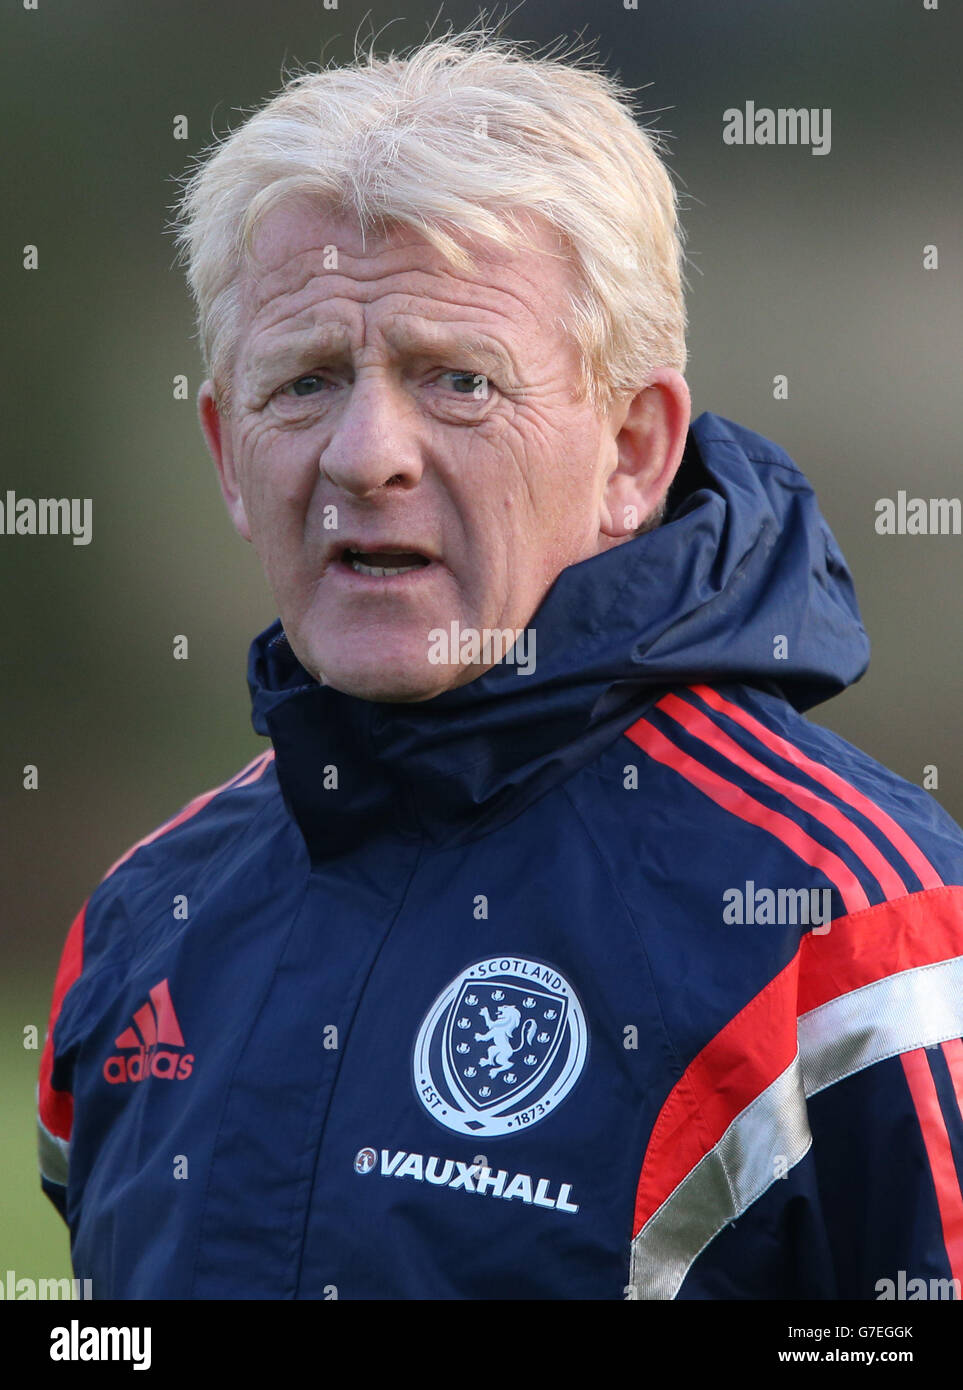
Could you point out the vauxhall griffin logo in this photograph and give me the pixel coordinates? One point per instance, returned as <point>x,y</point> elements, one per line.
<point>153,1035</point>
<point>500,1048</point>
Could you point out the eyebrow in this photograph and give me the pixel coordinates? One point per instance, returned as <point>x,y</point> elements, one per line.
<point>296,350</point>
<point>282,362</point>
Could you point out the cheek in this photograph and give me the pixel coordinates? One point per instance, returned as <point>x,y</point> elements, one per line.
<point>562,520</point>
<point>278,477</point>
<point>531,494</point>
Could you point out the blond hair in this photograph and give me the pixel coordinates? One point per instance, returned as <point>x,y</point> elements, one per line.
<point>464,134</point>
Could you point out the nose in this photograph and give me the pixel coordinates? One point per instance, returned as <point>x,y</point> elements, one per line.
<point>375,441</point>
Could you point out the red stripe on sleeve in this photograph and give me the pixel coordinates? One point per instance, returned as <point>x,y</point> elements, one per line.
<point>829,815</point>
<point>737,802</point>
<point>759,1043</point>
<point>953,1052</point>
<point>244,778</point>
<point>717,1085</point>
<point>57,1107</point>
<point>920,929</point>
<point>937,1142</point>
<point>895,833</point>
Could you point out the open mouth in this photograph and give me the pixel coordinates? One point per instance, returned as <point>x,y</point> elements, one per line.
<point>383,564</point>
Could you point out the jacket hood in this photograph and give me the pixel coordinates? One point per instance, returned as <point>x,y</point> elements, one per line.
<point>743,558</point>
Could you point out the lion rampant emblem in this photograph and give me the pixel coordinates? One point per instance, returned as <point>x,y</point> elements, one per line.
<point>500,1030</point>
<point>500,1047</point>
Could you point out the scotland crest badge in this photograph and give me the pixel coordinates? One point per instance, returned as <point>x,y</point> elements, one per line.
<point>500,1048</point>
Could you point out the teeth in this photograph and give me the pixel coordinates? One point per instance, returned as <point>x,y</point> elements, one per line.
<point>380,571</point>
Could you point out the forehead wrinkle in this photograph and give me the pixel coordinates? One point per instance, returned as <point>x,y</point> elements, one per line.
<point>429,337</point>
<point>333,335</point>
<point>293,348</point>
<point>298,272</point>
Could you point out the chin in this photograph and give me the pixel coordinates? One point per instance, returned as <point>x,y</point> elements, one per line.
<point>390,666</point>
<point>388,682</point>
<point>382,689</point>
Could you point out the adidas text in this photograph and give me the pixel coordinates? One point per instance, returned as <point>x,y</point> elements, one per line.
<point>173,1066</point>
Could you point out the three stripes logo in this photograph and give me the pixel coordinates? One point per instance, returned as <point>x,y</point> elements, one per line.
<point>150,1044</point>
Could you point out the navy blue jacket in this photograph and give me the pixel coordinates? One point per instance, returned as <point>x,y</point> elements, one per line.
<point>617,979</point>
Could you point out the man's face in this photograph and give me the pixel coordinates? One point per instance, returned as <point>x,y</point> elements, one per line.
<point>392,413</point>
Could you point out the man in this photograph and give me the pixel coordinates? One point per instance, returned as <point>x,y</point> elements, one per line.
<point>548,951</point>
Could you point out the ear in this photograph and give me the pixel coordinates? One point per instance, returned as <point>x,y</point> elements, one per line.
<point>649,433</point>
<point>217,433</point>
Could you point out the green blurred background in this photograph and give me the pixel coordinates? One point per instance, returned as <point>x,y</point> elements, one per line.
<point>799,264</point>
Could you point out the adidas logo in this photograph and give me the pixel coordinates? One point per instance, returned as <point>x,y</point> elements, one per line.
<point>154,1032</point>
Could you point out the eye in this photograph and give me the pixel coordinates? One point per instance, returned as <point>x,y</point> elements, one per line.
<point>294,388</point>
<point>470,383</point>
